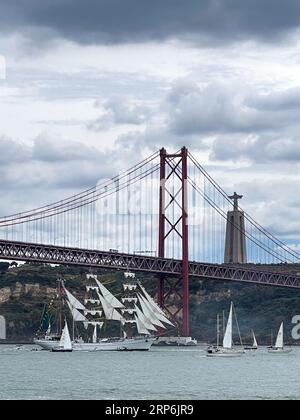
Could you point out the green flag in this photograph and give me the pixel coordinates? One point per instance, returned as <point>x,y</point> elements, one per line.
<point>46,318</point>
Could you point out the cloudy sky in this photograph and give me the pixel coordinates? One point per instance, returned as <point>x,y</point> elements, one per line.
<point>89,87</point>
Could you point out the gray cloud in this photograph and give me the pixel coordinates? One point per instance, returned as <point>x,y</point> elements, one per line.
<point>45,149</point>
<point>287,100</point>
<point>119,21</point>
<point>54,168</point>
<point>12,152</point>
<point>230,108</point>
<point>243,124</point>
<point>120,111</point>
<point>261,148</point>
<point>272,202</point>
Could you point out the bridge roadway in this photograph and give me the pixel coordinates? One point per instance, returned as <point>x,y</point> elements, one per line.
<point>29,252</point>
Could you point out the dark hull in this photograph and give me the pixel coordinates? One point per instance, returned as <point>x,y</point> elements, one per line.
<point>61,351</point>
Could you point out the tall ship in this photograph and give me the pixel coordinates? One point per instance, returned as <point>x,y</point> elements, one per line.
<point>136,315</point>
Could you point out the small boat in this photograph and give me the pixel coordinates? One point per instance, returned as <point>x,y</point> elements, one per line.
<point>279,345</point>
<point>254,347</point>
<point>65,344</point>
<point>228,349</point>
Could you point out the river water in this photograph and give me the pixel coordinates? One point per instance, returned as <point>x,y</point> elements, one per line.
<point>173,373</point>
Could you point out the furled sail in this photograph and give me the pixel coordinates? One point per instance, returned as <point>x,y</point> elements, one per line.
<point>109,297</point>
<point>91,288</point>
<point>73,301</point>
<point>129,300</point>
<point>130,287</point>
<point>129,311</point>
<point>227,342</point>
<point>93,312</point>
<point>98,324</point>
<point>92,301</point>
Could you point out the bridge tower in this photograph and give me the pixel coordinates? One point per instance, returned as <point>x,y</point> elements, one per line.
<point>235,248</point>
<point>174,224</point>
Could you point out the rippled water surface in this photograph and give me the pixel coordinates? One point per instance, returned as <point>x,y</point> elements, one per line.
<point>162,373</point>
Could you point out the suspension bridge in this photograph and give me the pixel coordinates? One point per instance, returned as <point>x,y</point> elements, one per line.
<point>166,216</point>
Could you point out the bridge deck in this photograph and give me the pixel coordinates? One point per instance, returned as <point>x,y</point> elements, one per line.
<point>28,252</point>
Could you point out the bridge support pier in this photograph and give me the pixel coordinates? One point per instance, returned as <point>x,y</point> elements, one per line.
<point>171,224</point>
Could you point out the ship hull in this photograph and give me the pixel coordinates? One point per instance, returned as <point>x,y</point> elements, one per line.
<point>221,352</point>
<point>138,344</point>
<point>279,351</point>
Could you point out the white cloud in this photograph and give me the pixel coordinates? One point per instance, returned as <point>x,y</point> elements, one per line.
<point>2,67</point>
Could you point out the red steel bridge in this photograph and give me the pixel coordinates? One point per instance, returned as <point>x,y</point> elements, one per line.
<point>166,216</point>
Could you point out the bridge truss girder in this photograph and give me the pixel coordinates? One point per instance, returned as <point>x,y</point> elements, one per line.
<point>27,252</point>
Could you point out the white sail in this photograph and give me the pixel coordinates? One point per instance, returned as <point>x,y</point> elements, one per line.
<point>110,312</point>
<point>141,327</point>
<point>279,341</point>
<point>147,323</point>
<point>95,337</point>
<point>149,312</point>
<point>77,316</point>
<point>62,338</point>
<point>73,301</point>
<point>227,342</point>
<point>156,309</point>
<point>254,340</point>
<point>109,297</point>
<point>65,340</point>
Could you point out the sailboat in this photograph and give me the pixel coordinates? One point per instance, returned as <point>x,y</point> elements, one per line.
<point>228,349</point>
<point>65,344</point>
<point>48,337</point>
<point>279,345</point>
<point>137,314</point>
<point>254,347</point>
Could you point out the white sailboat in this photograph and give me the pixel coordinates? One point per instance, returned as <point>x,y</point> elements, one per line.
<point>254,347</point>
<point>228,349</point>
<point>65,344</point>
<point>279,345</point>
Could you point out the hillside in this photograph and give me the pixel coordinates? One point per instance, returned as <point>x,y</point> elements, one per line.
<point>24,291</point>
